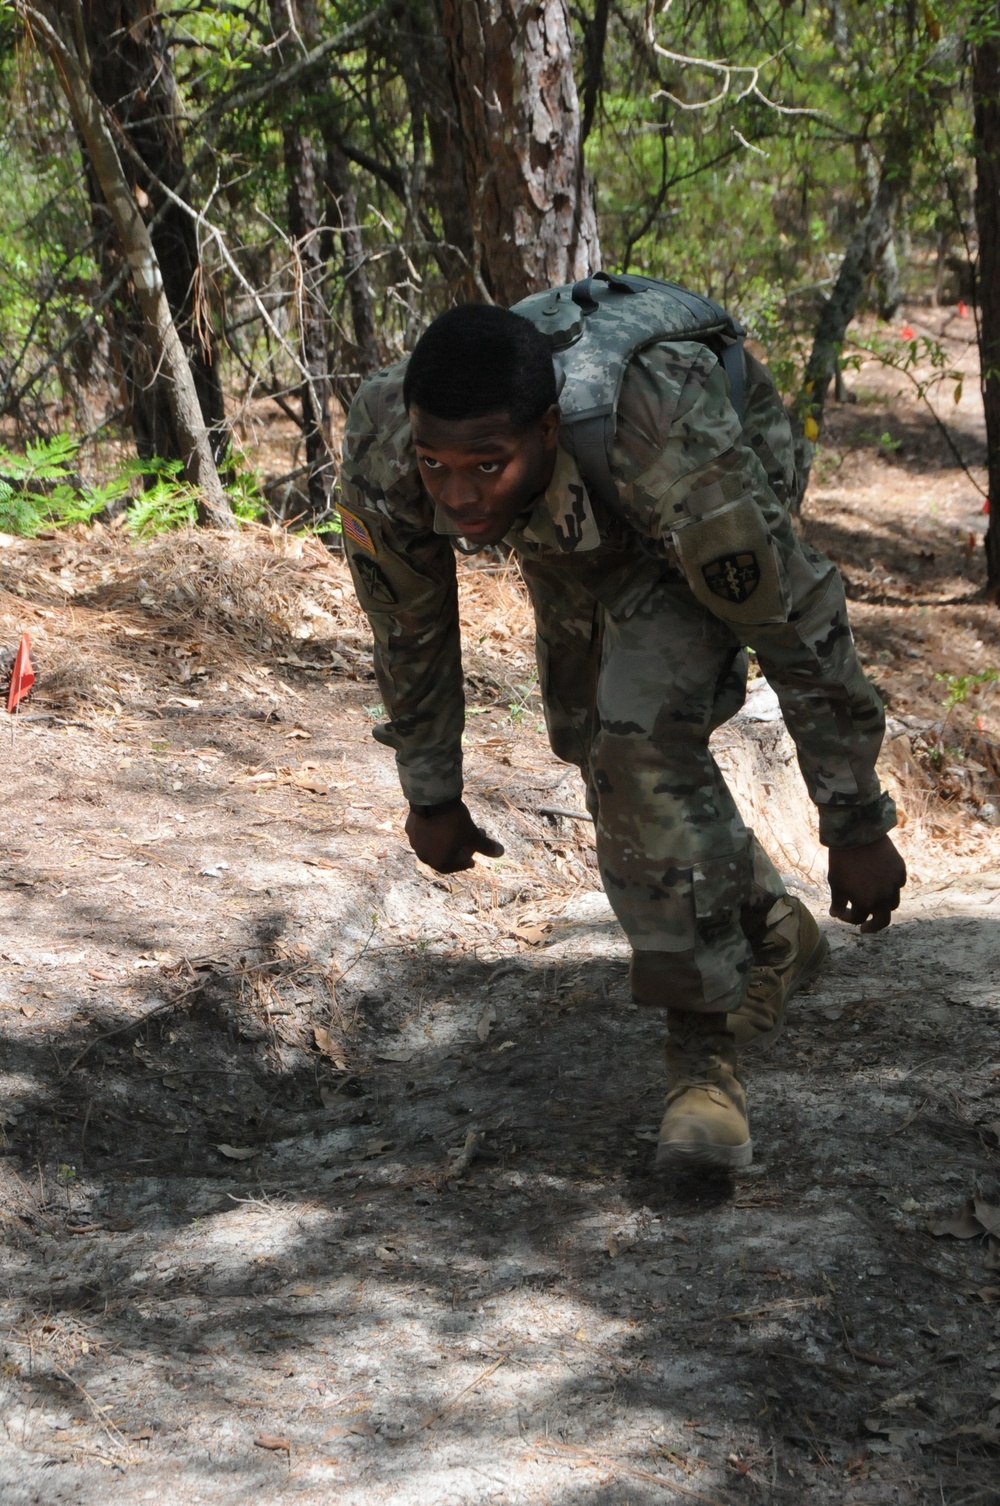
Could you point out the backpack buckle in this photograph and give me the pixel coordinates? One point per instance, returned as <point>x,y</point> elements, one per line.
<point>584,298</point>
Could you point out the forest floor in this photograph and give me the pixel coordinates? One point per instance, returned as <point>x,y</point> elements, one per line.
<point>325,1178</point>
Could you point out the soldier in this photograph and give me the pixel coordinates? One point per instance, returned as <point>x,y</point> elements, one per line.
<point>650,569</point>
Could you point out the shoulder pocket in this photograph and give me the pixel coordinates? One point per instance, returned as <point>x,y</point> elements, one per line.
<point>731,563</point>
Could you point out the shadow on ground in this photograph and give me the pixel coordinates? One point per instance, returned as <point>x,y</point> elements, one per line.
<point>439,1266</point>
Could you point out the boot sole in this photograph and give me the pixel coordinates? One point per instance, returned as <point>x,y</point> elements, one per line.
<point>810,968</point>
<point>690,1155</point>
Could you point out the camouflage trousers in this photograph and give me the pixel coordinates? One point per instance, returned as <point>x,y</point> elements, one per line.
<point>632,702</point>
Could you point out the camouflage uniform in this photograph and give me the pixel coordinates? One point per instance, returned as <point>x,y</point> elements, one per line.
<point>643,614</point>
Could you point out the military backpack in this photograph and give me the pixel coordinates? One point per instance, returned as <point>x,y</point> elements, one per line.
<point>596,326</point>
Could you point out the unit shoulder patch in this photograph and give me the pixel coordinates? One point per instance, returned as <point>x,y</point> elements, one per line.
<point>356,530</point>
<point>374,580</point>
<point>733,577</point>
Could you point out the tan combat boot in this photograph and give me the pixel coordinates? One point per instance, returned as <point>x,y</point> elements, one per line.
<point>705,1127</point>
<point>790,952</point>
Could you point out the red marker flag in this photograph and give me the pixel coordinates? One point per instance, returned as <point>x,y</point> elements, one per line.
<point>22,676</point>
<point>963,312</point>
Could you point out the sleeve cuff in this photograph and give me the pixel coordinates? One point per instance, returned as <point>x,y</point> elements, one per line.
<point>857,825</point>
<point>425,778</point>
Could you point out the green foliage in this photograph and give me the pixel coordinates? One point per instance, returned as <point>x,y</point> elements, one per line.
<point>748,184</point>
<point>244,487</point>
<point>884,440</point>
<point>517,709</point>
<point>169,503</point>
<point>924,363</point>
<point>733,148</point>
<point>960,686</point>
<point>40,489</point>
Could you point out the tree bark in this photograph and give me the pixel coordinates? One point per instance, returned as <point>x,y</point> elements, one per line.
<point>63,43</point>
<point>445,172</point>
<point>344,214</point>
<point>296,24</point>
<point>986,131</point>
<point>131,74</point>
<point>865,254</point>
<point>530,205</point>
<point>595,35</point>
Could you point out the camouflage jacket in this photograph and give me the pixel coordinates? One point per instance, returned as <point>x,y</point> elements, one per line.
<point>698,495</point>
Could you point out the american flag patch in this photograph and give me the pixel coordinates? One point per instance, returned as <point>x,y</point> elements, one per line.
<point>356,530</point>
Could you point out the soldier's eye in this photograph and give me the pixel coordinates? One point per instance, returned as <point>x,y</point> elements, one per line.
<point>489,467</point>
<point>432,465</point>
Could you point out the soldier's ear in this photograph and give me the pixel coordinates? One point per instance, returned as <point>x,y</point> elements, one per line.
<point>550,421</point>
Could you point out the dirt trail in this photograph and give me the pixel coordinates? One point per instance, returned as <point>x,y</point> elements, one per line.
<point>325,1178</point>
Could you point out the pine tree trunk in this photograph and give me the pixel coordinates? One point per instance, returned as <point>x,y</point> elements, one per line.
<point>61,41</point>
<point>344,214</point>
<point>446,169</point>
<point>865,254</point>
<point>532,215</point>
<point>131,74</point>
<point>304,231</point>
<point>986,105</point>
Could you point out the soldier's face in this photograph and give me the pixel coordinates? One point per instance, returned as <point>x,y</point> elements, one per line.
<point>482,472</point>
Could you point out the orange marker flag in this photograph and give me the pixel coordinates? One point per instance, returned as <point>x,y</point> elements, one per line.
<point>22,676</point>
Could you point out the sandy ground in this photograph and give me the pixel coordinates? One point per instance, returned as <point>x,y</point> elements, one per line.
<point>324,1178</point>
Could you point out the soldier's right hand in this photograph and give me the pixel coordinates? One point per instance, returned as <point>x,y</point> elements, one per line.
<point>447,842</point>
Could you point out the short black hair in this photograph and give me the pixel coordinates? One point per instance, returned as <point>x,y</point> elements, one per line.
<point>478,359</point>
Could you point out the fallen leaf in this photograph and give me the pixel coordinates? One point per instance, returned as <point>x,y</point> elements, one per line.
<point>304,1289</point>
<point>981,1431</point>
<point>29,1011</point>
<point>272,1441</point>
<point>988,1215</point>
<point>462,1157</point>
<point>650,1135</point>
<point>238,1152</point>
<point>487,1020</point>
<point>988,1293</point>
<point>298,732</point>
<point>375,1148</point>
<point>325,1041</point>
<point>531,935</point>
<point>401,1055</point>
<point>362,1429</point>
<point>330,1097</point>
<point>961,1225</point>
<point>311,786</point>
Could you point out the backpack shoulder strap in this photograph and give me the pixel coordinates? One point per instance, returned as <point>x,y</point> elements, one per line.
<point>595,327</point>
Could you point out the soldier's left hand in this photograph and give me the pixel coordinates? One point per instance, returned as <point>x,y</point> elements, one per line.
<point>865,883</point>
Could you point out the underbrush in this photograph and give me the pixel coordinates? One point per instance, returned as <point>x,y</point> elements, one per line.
<point>40,489</point>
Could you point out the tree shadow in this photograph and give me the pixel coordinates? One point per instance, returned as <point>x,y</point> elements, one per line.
<point>354,1250</point>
